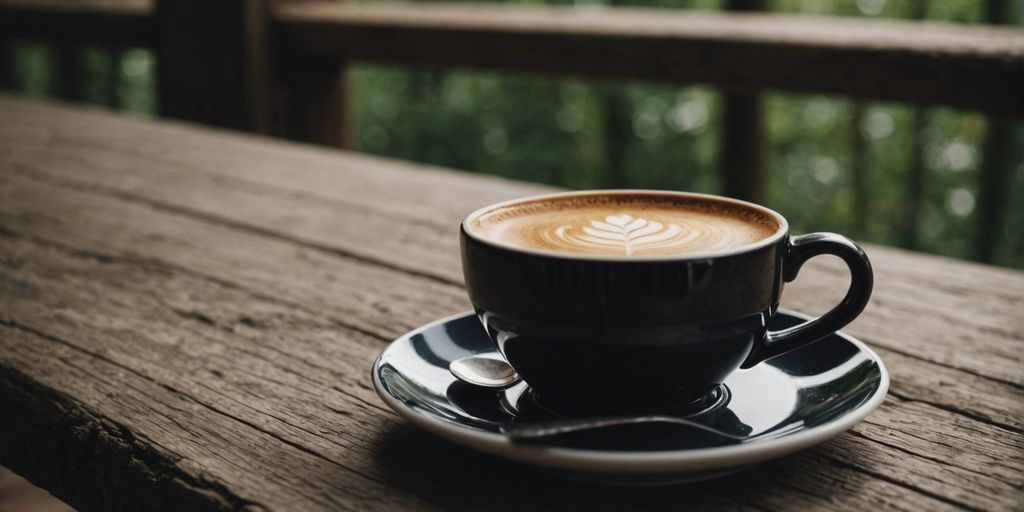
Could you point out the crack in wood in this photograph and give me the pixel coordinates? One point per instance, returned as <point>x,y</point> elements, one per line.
<point>362,401</point>
<point>913,453</point>
<point>91,446</point>
<point>284,440</point>
<point>180,504</point>
<point>98,378</point>
<point>292,425</point>
<point>912,355</point>
<point>959,411</point>
<point>906,486</point>
<point>821,496</point>
<point>195,315</point>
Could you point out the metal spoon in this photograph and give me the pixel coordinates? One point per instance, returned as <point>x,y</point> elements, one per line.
<point>541,429</point>
<point>493,372</point>
<point>489,371</point>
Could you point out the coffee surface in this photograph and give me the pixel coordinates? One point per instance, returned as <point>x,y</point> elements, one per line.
<point>625,225</point>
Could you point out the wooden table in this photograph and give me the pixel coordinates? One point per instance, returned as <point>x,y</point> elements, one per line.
<point>188,318</point>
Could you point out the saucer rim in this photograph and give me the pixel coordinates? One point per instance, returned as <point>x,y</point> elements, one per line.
<point>632,462</point>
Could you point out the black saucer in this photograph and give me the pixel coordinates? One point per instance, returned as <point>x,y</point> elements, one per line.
<point>780,406</point>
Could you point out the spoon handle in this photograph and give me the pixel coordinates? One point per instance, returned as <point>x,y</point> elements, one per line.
<point>537,430</point>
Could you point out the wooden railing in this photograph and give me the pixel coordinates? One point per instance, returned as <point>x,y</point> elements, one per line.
<point>279,68</point>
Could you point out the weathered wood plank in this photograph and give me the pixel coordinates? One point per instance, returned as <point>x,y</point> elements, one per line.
<point>772,488</point>
<point>363,296</point>
<point>291,324</point>
<point>107,22</point>
<point>127,442</point>
<point>980,467</point>
<point>970,67</point>
<point>422,206</point>
<point>953,390</point>
<point>252,348</point>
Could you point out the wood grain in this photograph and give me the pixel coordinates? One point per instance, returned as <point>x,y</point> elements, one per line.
<point>970,67</point>
<point>188,316</point>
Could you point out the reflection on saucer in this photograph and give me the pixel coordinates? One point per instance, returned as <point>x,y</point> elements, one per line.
<point>763,397</point>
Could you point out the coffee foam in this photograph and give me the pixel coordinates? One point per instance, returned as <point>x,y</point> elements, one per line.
<point>625,225</point>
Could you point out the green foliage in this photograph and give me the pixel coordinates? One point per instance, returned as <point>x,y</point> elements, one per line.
<point>32,73</point>
<point>590,134</point>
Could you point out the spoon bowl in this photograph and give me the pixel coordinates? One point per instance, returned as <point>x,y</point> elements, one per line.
<point>489,371</point>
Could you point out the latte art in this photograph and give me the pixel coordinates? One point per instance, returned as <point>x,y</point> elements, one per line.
<point>623,232</point>
<point>629,225</point>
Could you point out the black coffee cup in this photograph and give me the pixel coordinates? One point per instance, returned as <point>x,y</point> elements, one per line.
<point>604,334</point>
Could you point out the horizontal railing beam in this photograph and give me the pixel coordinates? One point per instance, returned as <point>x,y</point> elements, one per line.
<point>972,67</point>
<point>98,22</point>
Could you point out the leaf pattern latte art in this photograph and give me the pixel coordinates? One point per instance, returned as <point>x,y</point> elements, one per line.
<point>625,232</point>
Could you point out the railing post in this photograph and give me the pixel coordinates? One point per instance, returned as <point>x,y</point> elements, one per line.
<point>617,125</point>
<point>214,62</point>
<point>995,176</point>
<point>913,188</point>
<point>113,79</point>
<point>6,64</point>
<point>315,93</point>
<point>995,166</point>
<point>742,147</point>
<point>69,72</point>
<point>859,171</point>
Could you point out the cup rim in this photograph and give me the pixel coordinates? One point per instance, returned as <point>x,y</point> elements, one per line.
<point>780,233</point>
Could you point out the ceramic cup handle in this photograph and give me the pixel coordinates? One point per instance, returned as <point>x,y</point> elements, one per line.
<point>799,250</point>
